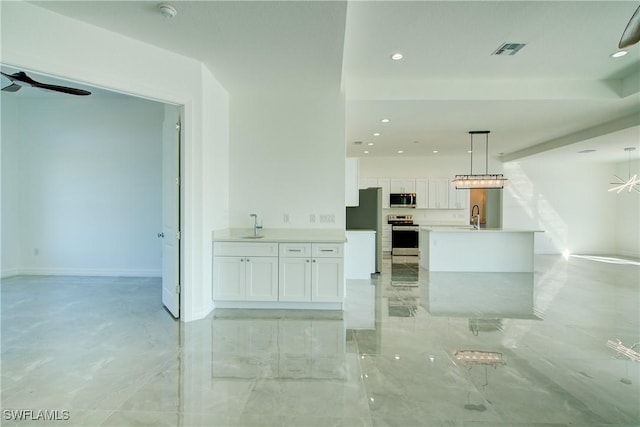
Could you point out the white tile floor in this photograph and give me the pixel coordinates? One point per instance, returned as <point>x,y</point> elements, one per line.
<point>105,350</point>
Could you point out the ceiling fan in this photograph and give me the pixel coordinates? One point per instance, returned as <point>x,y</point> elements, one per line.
<point>631,34</point>
<point>21,79</point>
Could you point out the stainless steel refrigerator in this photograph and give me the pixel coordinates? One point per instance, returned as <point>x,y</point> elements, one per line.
<point>368,216</point>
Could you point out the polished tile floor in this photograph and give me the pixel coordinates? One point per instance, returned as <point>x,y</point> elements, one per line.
<point>410,349</point>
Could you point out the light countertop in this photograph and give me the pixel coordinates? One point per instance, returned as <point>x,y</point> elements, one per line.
<point>281,235</point>
<point>469,229</point>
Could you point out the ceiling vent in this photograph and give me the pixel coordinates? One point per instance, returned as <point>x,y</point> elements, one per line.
<point>509,49</point>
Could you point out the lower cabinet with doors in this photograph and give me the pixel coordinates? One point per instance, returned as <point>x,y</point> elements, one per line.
<point>278,272</point>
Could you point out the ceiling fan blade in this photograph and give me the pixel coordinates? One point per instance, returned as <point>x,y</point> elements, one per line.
<point>12,88</point>
<point>22,77</point>
<point>631,34</point>
<point>63,89</point>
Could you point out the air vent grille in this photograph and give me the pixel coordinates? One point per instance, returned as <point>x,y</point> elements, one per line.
<point>509,49</point>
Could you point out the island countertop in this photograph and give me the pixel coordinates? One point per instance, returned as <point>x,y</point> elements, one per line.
<point>281,235</point>
<point>468,249</point>
<point>468,229</point>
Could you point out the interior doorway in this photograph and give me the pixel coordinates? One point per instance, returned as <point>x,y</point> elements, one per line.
<point>489,204</point>
<point>88,196</point>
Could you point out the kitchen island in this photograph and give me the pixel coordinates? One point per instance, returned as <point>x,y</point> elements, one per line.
<point>472,250</point>
<point>279,268</point>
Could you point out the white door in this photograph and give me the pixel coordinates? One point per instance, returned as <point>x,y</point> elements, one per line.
<point>171,137</point>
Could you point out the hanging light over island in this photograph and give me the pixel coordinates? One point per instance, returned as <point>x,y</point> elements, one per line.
<point>485,180</point>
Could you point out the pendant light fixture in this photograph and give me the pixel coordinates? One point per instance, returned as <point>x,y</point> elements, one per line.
<point>632,182</point>
<point>485,180</point>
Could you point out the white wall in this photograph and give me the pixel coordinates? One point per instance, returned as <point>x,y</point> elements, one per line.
<point>287,157</point>
<point>11,188</point>
<point>92,55</point>
<point>628,213</point>
<point>90,185</point>
<point>569,201</point>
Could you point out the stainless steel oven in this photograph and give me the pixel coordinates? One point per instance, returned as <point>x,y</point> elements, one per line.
<point>404,235</point>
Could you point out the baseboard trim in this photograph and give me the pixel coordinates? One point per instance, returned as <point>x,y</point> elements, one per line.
<point>83,272</point>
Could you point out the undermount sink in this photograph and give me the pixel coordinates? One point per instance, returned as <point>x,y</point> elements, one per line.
<point>252,237</point>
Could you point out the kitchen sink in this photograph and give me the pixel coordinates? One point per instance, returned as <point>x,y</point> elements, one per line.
<point>253,237</point>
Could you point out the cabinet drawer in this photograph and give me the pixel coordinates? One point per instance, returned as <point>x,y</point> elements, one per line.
<point>326,250</point>
<point>245,249</point>
<point>295,250</point>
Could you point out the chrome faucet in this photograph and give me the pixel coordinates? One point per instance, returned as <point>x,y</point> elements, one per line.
<point>256,227</point>
<point>477,216</point>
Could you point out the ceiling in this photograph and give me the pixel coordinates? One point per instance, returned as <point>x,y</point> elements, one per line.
<point>562,93</point>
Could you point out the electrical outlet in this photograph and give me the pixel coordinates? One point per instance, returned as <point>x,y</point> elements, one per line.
<point>36,251</point>
<point>312,218</point>
<point>327,219</point>
<point>285,218</point>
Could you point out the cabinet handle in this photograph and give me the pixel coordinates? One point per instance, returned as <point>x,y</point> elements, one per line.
<point>247,259</point>
<point>314,260</point>
<point>241,259</point>
<point>307,260</point>
<point>295,250</point>
<point>326,250</point>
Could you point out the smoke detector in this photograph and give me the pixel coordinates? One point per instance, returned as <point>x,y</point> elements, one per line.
<point>167,10</point>
<point>509,49</point>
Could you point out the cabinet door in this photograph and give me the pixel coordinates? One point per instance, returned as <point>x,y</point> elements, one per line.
<point>422,193</point>
<point>327,279</point>
<point>261,278</point>
<point>295,279</point>
<point>402,185</point>
<point>384,184</point>
<point>229,278</point>
<point>352,193</point>
<point>439,193</point>
<point>458,199</point>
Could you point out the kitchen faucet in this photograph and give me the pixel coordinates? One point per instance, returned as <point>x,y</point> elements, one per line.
<point>256,227</point>
<point>477,216</point>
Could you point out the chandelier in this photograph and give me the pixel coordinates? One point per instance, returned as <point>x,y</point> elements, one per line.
<point>485,180</point>
<point>632,182</point>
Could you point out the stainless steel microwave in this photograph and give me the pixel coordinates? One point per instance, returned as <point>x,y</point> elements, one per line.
<point>402,200</point>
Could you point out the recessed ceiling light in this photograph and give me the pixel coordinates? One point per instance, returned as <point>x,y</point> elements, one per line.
<point>619,54</point>
<point>415,142</point>
<point>369,143</point>
<point>366,152</point>
<point>376,134</point>
<point>397,56</point>
<point>385,120</point>
<point>469,151</point>
<point>435,151</point>
<point>400,151</point>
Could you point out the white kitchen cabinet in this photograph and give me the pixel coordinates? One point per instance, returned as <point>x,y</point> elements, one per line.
<point>402,185</point>
<point>352,193</point>
<point>245,271</point>
<point>422,193</point>
<point>368,183</point>
<point>384,183</point>
<point>327,272</point>
<point>295,272</point>
<point>458,199</point>
<point>311,272</point>
<point>438,193</point>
